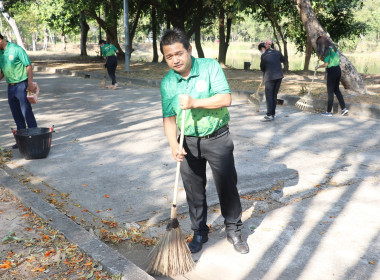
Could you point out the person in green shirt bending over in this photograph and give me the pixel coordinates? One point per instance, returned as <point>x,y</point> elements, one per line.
<point>329,54</point>
<point>109,52</point>
<point>199,86</point>
<point>17,69</point>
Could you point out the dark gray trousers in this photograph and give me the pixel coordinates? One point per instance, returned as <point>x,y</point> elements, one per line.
<point>271,90</point>
<point>218,152</point>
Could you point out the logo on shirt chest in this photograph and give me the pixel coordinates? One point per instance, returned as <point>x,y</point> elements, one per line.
<point>200,86</point>
<point>11,57</point>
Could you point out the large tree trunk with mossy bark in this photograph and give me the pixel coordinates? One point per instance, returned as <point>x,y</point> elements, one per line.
<point>351,79</point>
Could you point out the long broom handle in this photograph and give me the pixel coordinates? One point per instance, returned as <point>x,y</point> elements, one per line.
<point>315,72</point>
<point>173,214</point>
<point>257,91</point>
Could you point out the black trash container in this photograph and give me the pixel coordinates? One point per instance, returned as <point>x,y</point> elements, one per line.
<point>34,143</point>
<point>247,65</point>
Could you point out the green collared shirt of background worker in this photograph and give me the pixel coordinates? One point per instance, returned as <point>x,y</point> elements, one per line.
<point>109,50</point>
<point>15,64</point>
<point>331,59</point>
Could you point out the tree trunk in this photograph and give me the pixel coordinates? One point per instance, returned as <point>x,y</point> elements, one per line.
<point>276,37</point>
<point>350,79</point>
<point>34,40</point>
<point>222,38</point>
<point>111,34</point>
<point>134,25</point>
<point>109,27</point>
<point>63,39</point>
<point>46,39</point>
<point>84,28</point>
<point>167,27</point>
<point>154,32</point>
<point>197,27</point>
<point>13,24</point>
<point>276,27</point>
<point>308,51</point>
<point>52,39</point>
<point>285,43</point>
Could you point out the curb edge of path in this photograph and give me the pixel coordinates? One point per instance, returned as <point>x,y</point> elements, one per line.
<point>111,260</point>
<point>356,109</point>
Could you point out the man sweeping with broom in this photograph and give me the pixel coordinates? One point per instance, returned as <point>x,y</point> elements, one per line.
<point>199,86</point>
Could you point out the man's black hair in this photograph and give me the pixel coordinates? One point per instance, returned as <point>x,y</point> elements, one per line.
<point>1,36</point>
<point>172,36</point>
<point>102,42</point>
<point>261,45</point>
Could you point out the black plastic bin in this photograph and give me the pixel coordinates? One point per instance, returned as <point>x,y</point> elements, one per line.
<point>247,64</point>
<point>34,143</point>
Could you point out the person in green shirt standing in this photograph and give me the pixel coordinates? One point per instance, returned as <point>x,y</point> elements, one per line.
<point>329,54</point>
<point>199,86</point>
<point>17,69</point>
<point>109,52</point>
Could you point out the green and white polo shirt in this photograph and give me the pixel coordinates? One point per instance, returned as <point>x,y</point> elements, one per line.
<point>205,80</point>
<point>13,62</point>
<point>332,58</point>
<point>109,50</point>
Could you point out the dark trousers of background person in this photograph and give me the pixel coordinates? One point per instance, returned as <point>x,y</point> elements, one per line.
<point>111,65</point>
<point>271,90</point>
<point>218,152</point>
<point>333,79</point>
<point>20,106</point>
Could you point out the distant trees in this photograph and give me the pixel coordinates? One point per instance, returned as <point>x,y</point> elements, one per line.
<point>222,20</point>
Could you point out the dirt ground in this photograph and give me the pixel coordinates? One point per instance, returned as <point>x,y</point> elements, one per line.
<point>294,83</point>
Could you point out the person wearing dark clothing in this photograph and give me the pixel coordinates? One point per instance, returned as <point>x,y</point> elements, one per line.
<point>271,66</point>
<point>109,52</point>
<point>17,69</point>
<point>199,86</point>
<point>329,54</point>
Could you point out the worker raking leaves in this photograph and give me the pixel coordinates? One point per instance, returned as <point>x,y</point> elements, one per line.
<point>195,96</point>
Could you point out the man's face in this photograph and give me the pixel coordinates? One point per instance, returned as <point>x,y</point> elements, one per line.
<point>178,58</point>
<point>262,50</point>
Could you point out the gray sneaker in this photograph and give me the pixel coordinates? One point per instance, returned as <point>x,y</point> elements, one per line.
<point>267,119</point>
<point>344,111</point>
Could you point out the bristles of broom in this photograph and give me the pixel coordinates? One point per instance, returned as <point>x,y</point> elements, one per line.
<point>254,100</point>
<point>103,83</point>
<point>254,97</point>
<point>306,103</point>
<point>172,256</point>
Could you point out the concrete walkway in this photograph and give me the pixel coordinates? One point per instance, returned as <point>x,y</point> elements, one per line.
<point>319,174</point>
